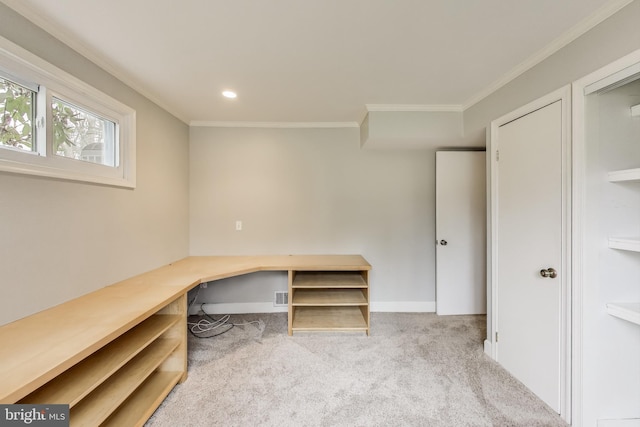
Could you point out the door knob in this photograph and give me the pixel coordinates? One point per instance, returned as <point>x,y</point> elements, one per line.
<point>549,272</point>
<point>443,242</point>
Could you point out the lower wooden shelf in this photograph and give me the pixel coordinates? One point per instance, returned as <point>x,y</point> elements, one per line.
<point>333,297</point>
<point>76,383</point>
<point>104,400</point>
<point>145,400</point>
<point>347,318</point>
<point>330,279</point>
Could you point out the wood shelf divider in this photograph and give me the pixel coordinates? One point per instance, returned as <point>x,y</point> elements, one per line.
<point>144,401</point>
<point>105,399</point>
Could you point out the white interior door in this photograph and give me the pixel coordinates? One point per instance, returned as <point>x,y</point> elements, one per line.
<point>529,239</point>
<point>461,232</point>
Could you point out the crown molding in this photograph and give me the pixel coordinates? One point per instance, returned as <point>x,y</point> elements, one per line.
<point>275,125</point>
<point>572,34</point>
<point>412,107</point>
<point>74,43</point>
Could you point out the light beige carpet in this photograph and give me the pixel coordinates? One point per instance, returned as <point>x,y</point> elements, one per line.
<point>414,370</point>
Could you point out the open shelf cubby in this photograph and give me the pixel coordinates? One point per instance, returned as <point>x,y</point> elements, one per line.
<point>329,301</point>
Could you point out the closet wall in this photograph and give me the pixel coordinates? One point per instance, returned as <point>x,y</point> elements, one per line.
<point>611,269</point>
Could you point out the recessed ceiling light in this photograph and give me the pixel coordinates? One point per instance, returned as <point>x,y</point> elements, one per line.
<point>229,94</point>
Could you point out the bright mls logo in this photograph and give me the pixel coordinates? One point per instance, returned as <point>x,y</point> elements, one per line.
<point>34,415</point>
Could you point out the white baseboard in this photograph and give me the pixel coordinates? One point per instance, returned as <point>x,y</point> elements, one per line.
<point>267,307</point>
<point>629,422</point>
<point>404,306</point>
<point>488,348</point>
<point>237,308</point>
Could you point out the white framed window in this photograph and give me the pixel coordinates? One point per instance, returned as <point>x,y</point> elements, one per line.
<point>52,124</point>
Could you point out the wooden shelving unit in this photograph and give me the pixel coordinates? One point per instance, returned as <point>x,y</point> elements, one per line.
<point>145,360</point>
<point>114,354</point>
<point>74,384</point>
<point>329,301</point>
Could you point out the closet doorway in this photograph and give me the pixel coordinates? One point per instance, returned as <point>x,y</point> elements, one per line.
<point>461,232</point>
<point>530,241</point>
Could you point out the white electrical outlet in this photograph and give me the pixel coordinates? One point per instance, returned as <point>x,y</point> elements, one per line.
<point>238,225</point>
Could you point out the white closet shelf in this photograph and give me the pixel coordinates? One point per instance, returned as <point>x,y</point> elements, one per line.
<point>625,175</point>
<point>625,243</point>
<point>635,110</point>
<point>629,311</point>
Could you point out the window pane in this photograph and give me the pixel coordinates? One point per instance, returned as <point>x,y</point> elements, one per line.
<point>81,135</point>
<point>16,115</point>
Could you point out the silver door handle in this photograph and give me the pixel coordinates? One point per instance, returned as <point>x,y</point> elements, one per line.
<point>549,272</point>
<point>443,242</point>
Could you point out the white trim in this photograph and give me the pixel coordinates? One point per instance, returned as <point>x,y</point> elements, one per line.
<point>410,108</point>
<point>577,249</point>
<point>237,308</point>
<point>403,306</point>
<point>488,349</point>
<point>569,36</point>
<point>580,270</point>
<point>621,68</point>
<point>614,80</point>
<point>55,82</point>
<point>73,42</point>
<point>564,95</point>
<point>275,125</point>
<point>628,422</point>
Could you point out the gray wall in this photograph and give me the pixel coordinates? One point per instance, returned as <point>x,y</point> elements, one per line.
<point>608,41</point>
<point>614,38</point>
<point>314,191</point>
<point>297,191</point>
<point>62,239</point>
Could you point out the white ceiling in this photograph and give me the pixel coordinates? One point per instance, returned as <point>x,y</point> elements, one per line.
<point>313,60</point>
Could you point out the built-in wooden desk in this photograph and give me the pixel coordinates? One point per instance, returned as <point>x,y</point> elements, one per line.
<point>113,355</point>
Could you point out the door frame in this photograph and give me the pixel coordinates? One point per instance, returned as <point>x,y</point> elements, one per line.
<point>491,344</point>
